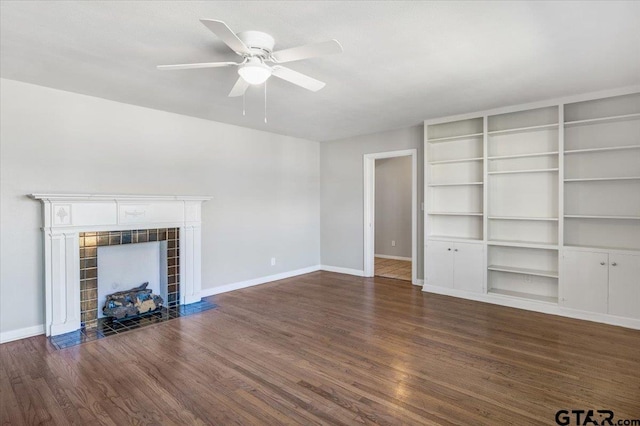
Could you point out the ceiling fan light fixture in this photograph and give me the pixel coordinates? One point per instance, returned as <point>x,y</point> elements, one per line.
<point>254,72</point>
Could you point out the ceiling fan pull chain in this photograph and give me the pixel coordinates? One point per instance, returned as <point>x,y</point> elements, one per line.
<point>243,111</point>
<point>265,102</point>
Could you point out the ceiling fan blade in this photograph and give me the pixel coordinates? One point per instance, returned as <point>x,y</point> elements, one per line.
<point>225,34</point>
<point>307,51</point>
<point>298,79</point>
<point>239,88</point>
<point>194,66</point>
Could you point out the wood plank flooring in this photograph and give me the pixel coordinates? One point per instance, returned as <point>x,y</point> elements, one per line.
<point>393,268</point>
<point>326,348</point>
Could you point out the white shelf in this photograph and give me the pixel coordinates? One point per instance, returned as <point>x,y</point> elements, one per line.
<point>604,149</point>
<point>456,184</point>
<point>596,247</point>
<point>548,219</point>
<point>455,138</point>
<point>525,271</point>
<point>535,154</point>
<point>528,296</point>
<point>524,129</point>
<point>522,171</point>
<point>613,118</point>
<point>461,160</point>
<point>584,216</point>
<point>523,244</point>
<point>448,238</point>
<point>454,214</point>
<point>602,179</point>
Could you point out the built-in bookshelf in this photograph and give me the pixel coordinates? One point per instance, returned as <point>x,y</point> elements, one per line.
<point>550,193</point>
<point>455,169</point>
<point>522,178</point>
<point>602,173</point>
<point>523,272</point>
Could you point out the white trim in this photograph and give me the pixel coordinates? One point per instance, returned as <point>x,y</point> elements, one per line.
<point>21,333</point>
<point>341,270</point>
<point>369,209</point>
<point>205,292</point>
<point>369,215</point>
<point>419,282</point>
<point>535,306</point>
<point>485,202</point>
<point>426,203</point>
<point>386,256</point>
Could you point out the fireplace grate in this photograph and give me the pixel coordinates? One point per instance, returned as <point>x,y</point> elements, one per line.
<point>107,327</point>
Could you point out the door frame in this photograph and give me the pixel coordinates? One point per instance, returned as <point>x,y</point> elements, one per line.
<point>370,209</point>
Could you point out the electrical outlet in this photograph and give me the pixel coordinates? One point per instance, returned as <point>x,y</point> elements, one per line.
<point>393,243</point>
<point>273,261</point>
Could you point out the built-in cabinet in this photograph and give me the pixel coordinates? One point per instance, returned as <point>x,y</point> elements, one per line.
<point>550,194</point>
<point>586,281</point>
<point>456,265</point>
<point>605,282</point>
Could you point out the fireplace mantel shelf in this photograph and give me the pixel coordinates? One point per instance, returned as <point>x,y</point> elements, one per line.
<point>65,216</point>
<point>116,197</point>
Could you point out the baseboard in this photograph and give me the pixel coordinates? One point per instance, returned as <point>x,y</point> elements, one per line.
<point>21,333</point>
<point>536,306</point>
<point>419,282</point>
<point>341,270</point>
<point>386,256</point>
<point>257,281</point>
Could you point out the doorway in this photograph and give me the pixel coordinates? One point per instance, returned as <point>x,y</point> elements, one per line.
<point>395,258</point>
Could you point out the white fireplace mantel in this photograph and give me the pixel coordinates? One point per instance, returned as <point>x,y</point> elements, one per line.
<point>65,216</point>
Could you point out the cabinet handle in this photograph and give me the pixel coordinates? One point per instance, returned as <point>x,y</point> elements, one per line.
<point>614,264</point>
<point>602,263</point>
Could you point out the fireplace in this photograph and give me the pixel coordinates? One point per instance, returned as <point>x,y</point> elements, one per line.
<point>77,226</point>
<point>94,284</point>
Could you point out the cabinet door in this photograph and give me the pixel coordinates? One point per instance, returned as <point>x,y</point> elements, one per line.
<point>468,267</point>
<point>439,270</point>
<point>584,281</point>
<point>624,285</point>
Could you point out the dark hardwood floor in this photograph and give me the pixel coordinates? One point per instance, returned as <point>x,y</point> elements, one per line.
<point>326,348</point>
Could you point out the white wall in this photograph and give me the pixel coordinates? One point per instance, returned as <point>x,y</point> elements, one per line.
<point>342,193</point>
<point>265,187</point>
<point>393,206</point>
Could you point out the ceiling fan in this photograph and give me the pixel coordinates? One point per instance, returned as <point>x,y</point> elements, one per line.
<point>256,50</point>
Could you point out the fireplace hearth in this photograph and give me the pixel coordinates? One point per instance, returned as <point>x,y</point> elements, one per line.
<point>106,327</point>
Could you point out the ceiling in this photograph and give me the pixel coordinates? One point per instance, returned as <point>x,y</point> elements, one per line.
<point>403,62</point>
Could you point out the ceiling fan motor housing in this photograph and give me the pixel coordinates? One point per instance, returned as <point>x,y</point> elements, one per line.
<point>259,43</point>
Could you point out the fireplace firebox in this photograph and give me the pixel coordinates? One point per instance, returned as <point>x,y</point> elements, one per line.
<point>89,243</point>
